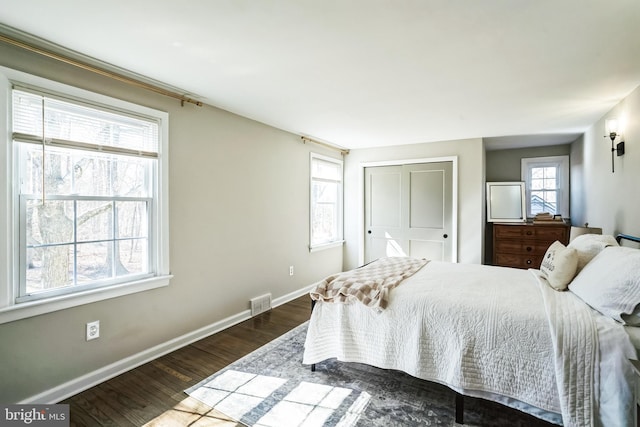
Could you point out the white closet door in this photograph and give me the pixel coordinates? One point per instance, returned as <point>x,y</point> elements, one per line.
<point>408,211</point>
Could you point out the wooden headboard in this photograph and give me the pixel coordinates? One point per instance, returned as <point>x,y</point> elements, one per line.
<point>621,237</point>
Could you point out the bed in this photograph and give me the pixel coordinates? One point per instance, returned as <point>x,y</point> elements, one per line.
<point>554,343</point>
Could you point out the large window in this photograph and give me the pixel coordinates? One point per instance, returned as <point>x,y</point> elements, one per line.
<point>326,201</point>
<point>88,207</point>
<point>547,185</point>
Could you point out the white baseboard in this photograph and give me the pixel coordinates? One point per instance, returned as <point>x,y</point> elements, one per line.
<point>291,296</point>
<point>84,382</point>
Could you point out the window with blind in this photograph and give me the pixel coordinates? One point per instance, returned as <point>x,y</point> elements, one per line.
<point>326,201</point>
<point>89,209</point>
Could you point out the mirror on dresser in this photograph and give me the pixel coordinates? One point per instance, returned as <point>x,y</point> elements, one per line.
<point>506,202</point>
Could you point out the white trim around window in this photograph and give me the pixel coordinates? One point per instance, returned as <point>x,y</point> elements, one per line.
<point>10,309</point>
<point>562,188</point>
<point>326,209</point>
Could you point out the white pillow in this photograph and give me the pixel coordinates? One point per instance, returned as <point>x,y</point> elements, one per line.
<point>590,245</point>
<point>559,265</point>
<point>610,283</point>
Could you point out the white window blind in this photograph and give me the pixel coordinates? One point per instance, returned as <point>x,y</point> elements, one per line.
<point>37,117</point>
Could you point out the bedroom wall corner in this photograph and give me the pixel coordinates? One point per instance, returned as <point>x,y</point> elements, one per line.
<point>607,199</point>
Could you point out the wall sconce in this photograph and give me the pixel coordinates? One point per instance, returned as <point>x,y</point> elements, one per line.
<point>613,132</point>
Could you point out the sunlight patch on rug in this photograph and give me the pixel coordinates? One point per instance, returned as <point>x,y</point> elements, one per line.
<point>237,393</point>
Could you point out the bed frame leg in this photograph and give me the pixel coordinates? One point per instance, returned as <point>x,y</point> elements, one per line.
<point>313,304</point>
<point>459,408</point>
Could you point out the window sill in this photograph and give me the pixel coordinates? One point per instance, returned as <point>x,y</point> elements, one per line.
<point>326,246</point>
<point>35,308</point>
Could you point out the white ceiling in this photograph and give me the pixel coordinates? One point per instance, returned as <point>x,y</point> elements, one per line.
<point>365,73</point>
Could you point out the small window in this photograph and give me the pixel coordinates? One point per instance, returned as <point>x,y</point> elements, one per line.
<point>326,201</point>
<point>547,185</point>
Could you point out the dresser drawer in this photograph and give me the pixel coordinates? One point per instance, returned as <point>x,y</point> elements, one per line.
<point>520,247</point>
<point>551,233</point>
<point>512,231</point>
<point>543,232</point>
<point>517,261</point>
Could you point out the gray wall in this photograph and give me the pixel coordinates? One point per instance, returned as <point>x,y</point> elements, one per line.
<point>239,217</point>
<point>598,196</point>
<point>504,165</point>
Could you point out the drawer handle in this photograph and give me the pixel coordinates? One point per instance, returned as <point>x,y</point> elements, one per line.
<point>529,248</point>
<point>528,262</point>
<point>529,232</point>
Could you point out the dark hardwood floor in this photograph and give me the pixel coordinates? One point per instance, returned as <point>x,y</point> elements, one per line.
<point>153,394</point>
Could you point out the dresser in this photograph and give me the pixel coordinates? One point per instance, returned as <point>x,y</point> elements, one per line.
<point>522,245</point>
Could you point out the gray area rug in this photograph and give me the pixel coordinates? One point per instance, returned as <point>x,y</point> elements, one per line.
<point>272,388</point>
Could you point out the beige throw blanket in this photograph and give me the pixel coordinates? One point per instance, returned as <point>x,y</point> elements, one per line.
<point>369,284</point>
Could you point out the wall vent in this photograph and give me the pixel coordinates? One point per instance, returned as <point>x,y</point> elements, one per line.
<point>260,304</point>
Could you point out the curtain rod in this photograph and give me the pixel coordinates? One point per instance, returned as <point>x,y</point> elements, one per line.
<point>100,71</point>
<point>343,151</point>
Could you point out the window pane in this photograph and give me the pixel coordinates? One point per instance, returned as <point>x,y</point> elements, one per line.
<point>77,172</point>
<point>550,196</point>
<point>326,170</point>
<point>51,223</point>
<point>131,176</point>
<point>537,184</point>
<point>324,227</point>
<point>94,261</point>
<point>537,173</point>
<point>550,172</point>
<point>132,257</point>
<point>537,202</point>
<point>49,268</point>
<point>31,182</point>
<point>550,184</point>
<point>325,192</point>
<point>131,219</point>
<point>95,220</point>
<point>543,201</point>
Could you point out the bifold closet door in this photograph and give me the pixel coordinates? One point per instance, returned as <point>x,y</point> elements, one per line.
<point>408,211</point>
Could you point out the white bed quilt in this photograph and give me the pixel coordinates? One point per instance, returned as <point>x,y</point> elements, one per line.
<point>483,331</point>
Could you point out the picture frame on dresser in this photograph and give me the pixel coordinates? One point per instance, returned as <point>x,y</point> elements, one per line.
<point>506,202</point>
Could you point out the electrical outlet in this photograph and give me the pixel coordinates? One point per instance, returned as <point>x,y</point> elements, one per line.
<point>93,330</point>
<point>291,270</point>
